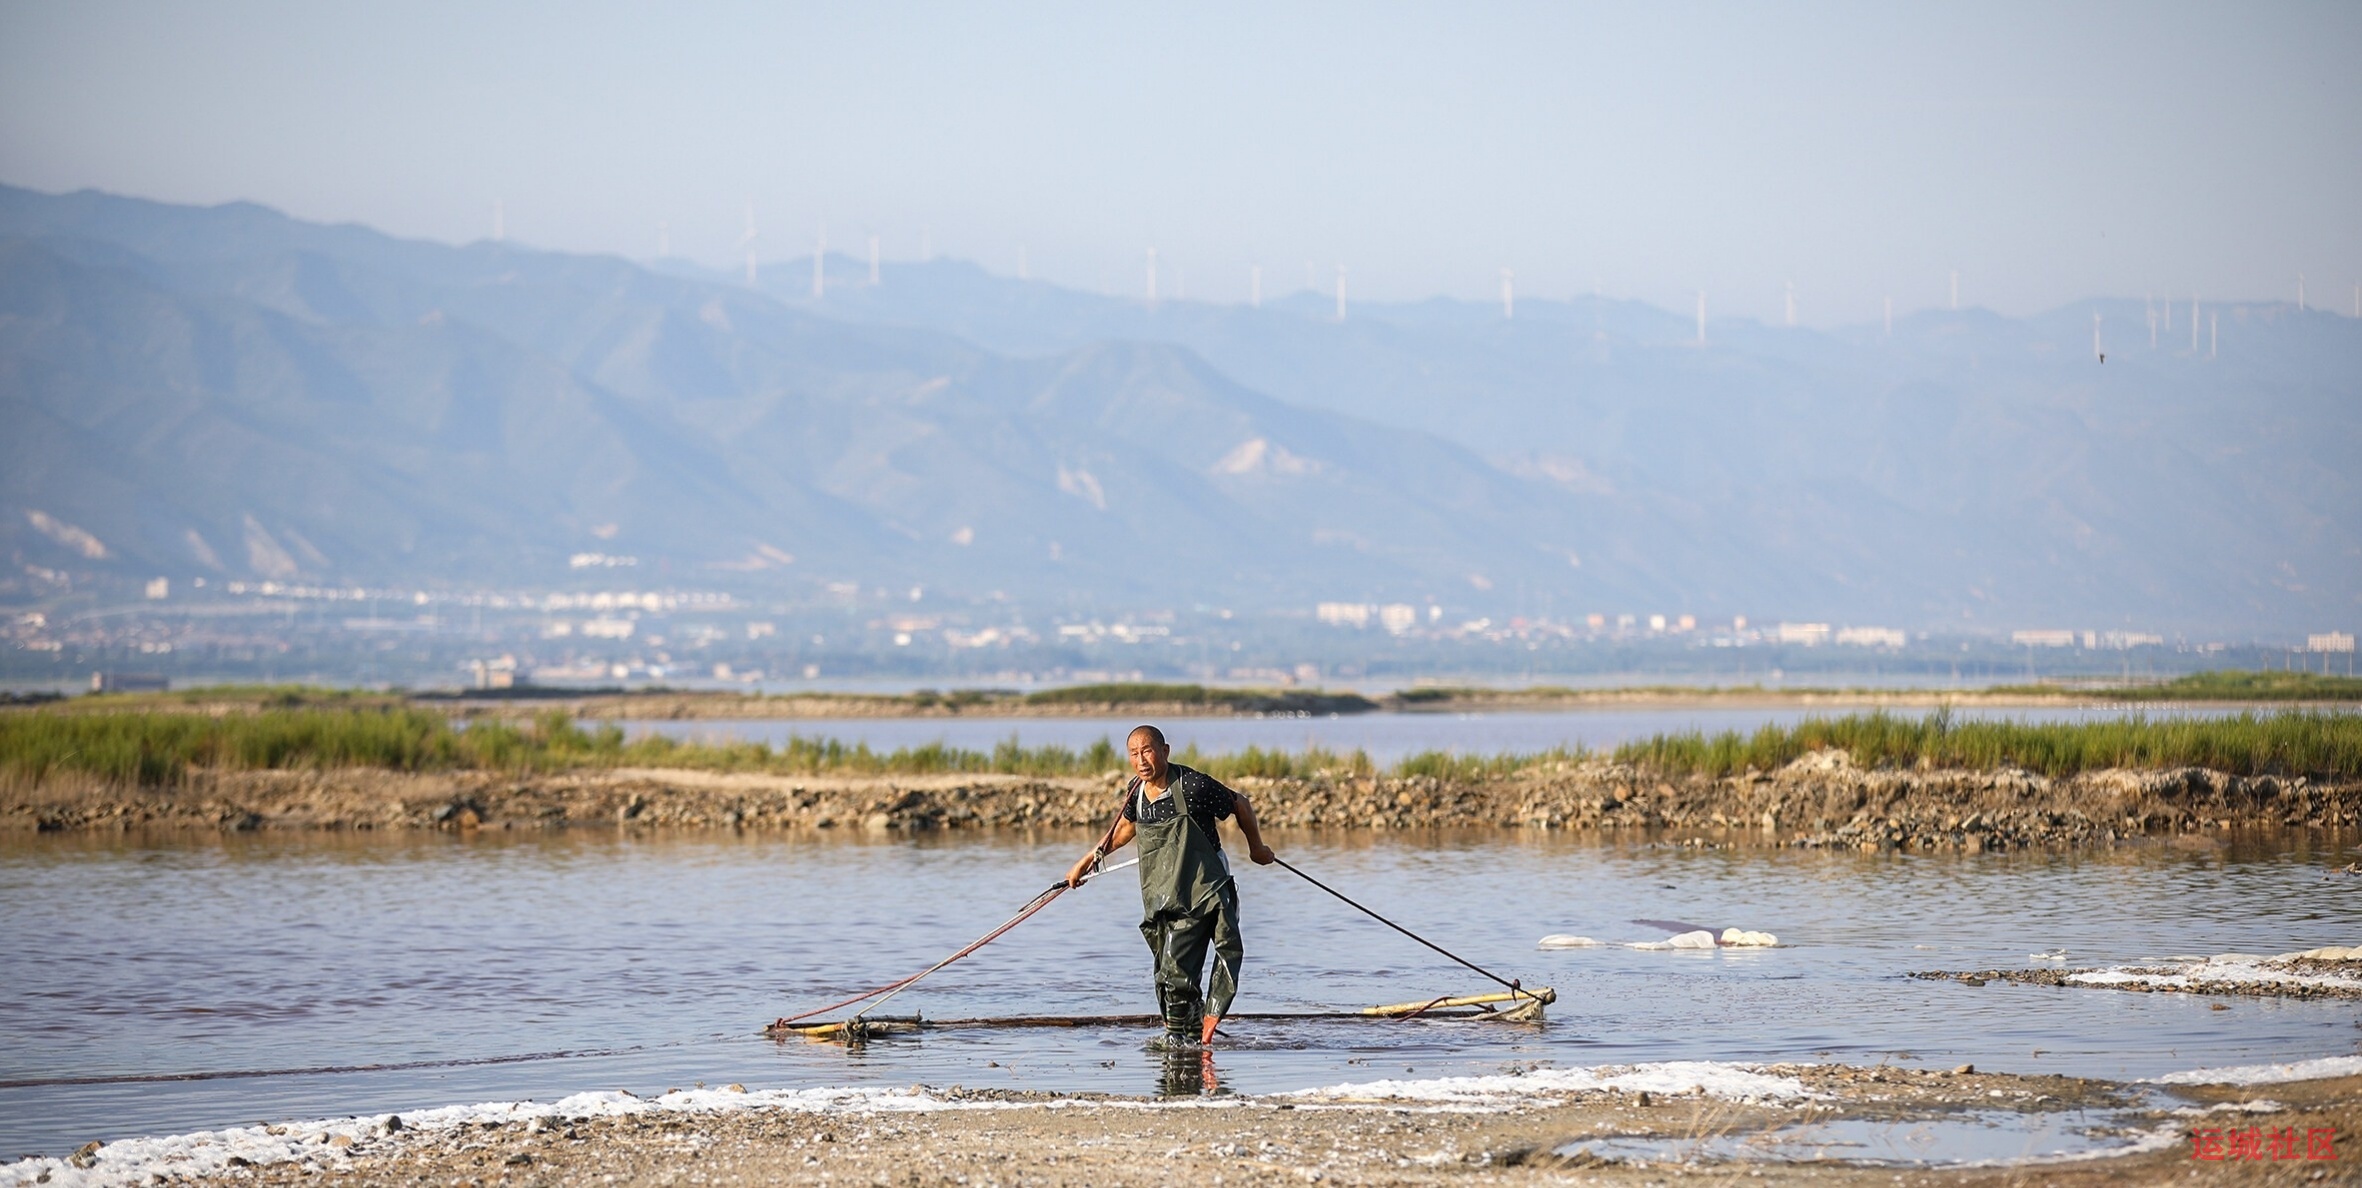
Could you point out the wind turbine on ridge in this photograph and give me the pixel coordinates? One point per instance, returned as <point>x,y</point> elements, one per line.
<point>746,243</point>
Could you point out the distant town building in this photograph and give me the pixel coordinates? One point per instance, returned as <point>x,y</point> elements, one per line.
<point>2118,641</point>
<point>986,638</point>
<point>128,682</point>
<point>1398,617</point>
<point>2330,641</point>
<point>609,628</point>
<point>159,589</point>
<point>1345,614</point>
<point>1872,637</point>
<point>494,674</point>
<point>1809,634</point>
<point>2043,639</point>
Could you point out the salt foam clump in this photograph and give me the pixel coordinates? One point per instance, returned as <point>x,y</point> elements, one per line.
<point>1563,940</point>
<point>1710,1078</point>
<point>1701,939</point>
<point>1736,938</point>
<point>325,1143</point>
<point>2267,1074</point>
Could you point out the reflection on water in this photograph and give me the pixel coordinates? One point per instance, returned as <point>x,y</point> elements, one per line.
<point>658,958</point>
<point>1386,737</point>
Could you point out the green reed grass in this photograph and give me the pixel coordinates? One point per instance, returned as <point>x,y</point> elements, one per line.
<point>2284,743</point>
<point>1310,763</point>
<point>2220,685</point>
<point>1453,766</point>
<point>159,748</point>
<point>1132,693</point>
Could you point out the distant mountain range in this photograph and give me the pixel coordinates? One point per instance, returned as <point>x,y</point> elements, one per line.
<point>228,391</point>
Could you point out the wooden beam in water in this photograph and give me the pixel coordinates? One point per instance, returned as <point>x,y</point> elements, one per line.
<point>1543,995</point>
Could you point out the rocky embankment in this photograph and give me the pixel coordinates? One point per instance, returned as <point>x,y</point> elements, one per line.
<point>1821,800</point>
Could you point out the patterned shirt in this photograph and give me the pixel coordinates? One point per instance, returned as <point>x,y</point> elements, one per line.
<point>1208,800</point>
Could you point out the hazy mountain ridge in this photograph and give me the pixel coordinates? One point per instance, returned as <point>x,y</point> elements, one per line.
<point>479,413</point>
<point>1964,464</point>
<point>333,402</point>
<point>389,442</point>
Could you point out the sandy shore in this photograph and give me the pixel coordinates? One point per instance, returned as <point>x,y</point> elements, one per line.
<point>1821,800</point>
<point>1715,1122</point>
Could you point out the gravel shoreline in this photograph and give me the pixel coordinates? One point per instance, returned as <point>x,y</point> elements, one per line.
<point>1821,800</point>
<point>947,1136</point>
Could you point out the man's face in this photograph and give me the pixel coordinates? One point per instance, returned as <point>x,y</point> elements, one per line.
<point>1148,757</point>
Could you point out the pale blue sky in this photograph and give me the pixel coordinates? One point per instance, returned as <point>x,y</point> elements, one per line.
<point>2048,152</point>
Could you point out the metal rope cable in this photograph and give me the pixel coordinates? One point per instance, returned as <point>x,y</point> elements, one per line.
<point>1042,901</point>
<point>1038,902</point>
<point>1511,983</point>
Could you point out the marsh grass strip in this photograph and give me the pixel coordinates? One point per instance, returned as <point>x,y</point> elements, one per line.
<point>160,748</point>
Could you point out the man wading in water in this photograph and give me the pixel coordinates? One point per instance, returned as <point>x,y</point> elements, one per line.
<point>1187,897</point>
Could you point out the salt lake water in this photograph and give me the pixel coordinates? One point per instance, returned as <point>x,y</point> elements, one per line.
<point>1386,737</point>
<point>650,961</point>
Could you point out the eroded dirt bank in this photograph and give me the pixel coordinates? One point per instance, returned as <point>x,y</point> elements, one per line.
<point>1820,800</point>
